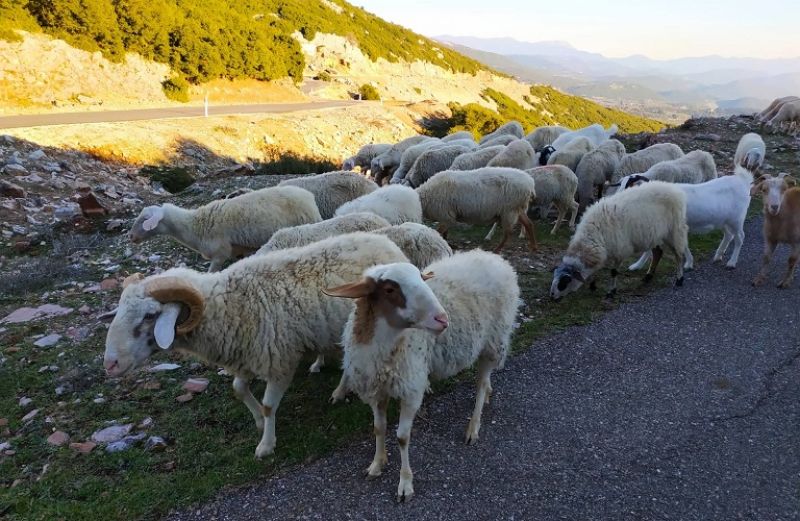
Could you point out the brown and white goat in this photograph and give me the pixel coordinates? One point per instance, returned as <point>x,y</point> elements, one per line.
<point>781,222</point>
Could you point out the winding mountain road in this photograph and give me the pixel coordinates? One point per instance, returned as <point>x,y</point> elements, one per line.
<point>684,405</point>
<point>112,116</point>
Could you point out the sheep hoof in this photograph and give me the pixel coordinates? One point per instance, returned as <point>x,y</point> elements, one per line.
<point>785,284</point>
<point>647,278</point>
<point>264,449</point>
<point>374,470</point>
<point>758,281</point>
<point>472,433</point>
<point>593,286</point>
<point>679,282</point>
<point>730,266</point>
<point>405,491</point>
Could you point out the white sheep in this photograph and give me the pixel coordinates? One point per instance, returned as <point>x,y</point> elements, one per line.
<point>228,228</point>
<point>458,136</point>
<point>477,158</point>
<point>641,161</point>
<point>789,113</point>
<point>307,233</point>
<point>363,158</point>
<point>695,167</point>
<point>409,157</point>
<point>431,162</point>
<point>331,190</point>
<point>596,168</point>
<point>773,108</point>
<point>719,204</point>
<point>422,245</point>
<point>256,319</point>
<point>544,136</point>
<point>395,203</point>
<point>482,197</point>
<point>408,329</point>
<point>518,154</point>
<point>649,217</point>
<point>750,152</point>
<point>594,133</point>
<point>512,128</point>
<point>498,140</point>
<point>384,165</point>
<point>572,153</point>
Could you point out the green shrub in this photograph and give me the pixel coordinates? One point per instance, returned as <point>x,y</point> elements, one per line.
<point>176,89</point>
<point>418,91</point>
<point>369,93</point>
<point>323,76</point>
<point>173,179</point>
<point>278,161</point>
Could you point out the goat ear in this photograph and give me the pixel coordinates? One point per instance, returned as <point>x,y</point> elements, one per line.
<point>359,289</point>
<point>427,276</point>
<point>156,214</point>
<point>756,188</point>
<point>165,325</point>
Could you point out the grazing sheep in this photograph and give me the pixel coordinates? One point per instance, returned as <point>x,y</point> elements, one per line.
<point>594,133</point>
<point>256,319</point>
<point>518,154</point>
<point>719,204</point>
<point>781,223</point>
<point>331,190</point>
<point>649,217</point>
<point>512,128</point>
<point>788,113</point>
<point>770,112</point>
<point>477,158</point>
<point>596,168</point>
<point>308,233</point>
<point>384,165</point>
<point>431,162</point>
<point>364,156</point>
<point>750,152</point>
<point>642,160</point>
<point>422,245</point>
<point>228,228</point>
<point>458,136</point>
<point>544,155</point>
<point>498,140</point>
<point>695,167</point>
<point>544,136</point>
<point>405,332</point>
<point>572,153</point>
<point>409,157</point>
<point>395,203</point>
<point>483,196</point>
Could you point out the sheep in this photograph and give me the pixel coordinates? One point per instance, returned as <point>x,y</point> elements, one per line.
<point>477,158</point>
<point>518,154</point>
<point>594,133</point>
<point>256,319</point>
<point>461,134</point>
<point>407,329</point>
<point>395,203</point>
<point>228,228</point>
<point>781,223</point>
<point>307,233</point>
<point>642,160</point>
<point>719,204</point>
<point>431,162</point>
<point>649,217</point>
<point>422,245</point>
<point>544,155</point>
<point>363,158</point>
<point>695,167</point>
<point>770,112</point>
<point>572,153</point>
<point>409,157</point>
<point>512,128</point>
<point>482,196</point>
<point>331,190</point>
<point>498,140</point>
<point>544,136</point>
<point>596,168</point>
<point>789,112</point>
<point>750,152</point>
<point>384,165</point>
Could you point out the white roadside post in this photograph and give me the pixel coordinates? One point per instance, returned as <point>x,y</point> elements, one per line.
<point>205,105</point>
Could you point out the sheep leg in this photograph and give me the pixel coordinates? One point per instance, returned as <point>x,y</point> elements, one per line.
<point>408,410</point>
<point>485,368</point>
<point>241,387</point>
<point>793,258</point>
<point>612,284</point>
<point>657,254</point>
<point>216,265</point>
<point>738,241</point>
<point>442,229</point>
<point>562,213</point>
<point>506,235</point>
<point>643,260</point>
<point>727,237</point>
<point>491,232</point>
<point>318,363</point>
<point>526,223</point>
<point>574,208</point>
<point>276,387</point>
<point>340,392</point>
<point>688,264</point>
<point>769,250</point>
<point>379,424</point>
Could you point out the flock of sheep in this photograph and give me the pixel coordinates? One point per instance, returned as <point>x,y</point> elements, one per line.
<point>420,312</point>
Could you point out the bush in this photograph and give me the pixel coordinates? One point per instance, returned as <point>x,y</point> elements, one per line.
<point>176,89</point>
<point>369,93</point>
<point>277,161</point>
<point>323,76</point>
<point>173,179</point>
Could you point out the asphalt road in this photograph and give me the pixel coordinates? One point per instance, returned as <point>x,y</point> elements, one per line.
<point>71,118</point>
<point>681,406</point>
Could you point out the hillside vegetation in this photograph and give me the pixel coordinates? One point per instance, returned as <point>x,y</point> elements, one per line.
<point>206,39</point>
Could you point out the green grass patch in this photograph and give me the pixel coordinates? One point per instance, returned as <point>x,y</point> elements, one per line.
<point>369,93</point>
<point>174,179</point>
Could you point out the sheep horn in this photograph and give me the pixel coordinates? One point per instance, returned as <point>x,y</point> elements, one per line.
<point>176,289</point>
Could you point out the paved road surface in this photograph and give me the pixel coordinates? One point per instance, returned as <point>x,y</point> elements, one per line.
<point>71,118</point>
<point>683,406</point>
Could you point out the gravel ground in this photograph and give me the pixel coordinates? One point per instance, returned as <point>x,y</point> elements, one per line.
<point>683,405</point>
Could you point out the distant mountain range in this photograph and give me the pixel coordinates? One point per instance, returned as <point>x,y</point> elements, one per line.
<point>684,86</point>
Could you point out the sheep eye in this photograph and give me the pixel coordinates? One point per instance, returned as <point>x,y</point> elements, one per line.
<point>389,290</point>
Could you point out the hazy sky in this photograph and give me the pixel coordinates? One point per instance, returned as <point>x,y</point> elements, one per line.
<point>658,29</point>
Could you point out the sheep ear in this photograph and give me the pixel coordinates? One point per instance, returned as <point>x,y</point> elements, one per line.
<point>359,289</point>
<point>165,325</point>
<point>427,276</point>
<point>108,315</point>
<point>156,214</point>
